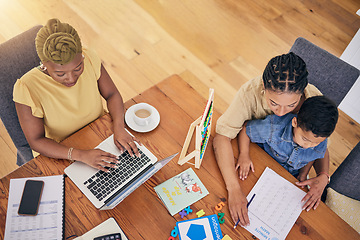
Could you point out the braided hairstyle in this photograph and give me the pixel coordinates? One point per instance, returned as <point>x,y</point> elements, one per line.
<point>57,42</point>
<point>286,73</point>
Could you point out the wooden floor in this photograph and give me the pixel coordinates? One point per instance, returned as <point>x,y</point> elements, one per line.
<point>209,43</point>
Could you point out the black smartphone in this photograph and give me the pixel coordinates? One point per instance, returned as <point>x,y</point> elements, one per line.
<point>31,196</point>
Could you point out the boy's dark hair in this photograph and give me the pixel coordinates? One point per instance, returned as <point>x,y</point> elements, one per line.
<point>318,115</point>
<point>286,73</point>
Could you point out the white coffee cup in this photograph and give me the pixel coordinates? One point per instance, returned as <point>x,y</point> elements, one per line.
<point>142,114</point>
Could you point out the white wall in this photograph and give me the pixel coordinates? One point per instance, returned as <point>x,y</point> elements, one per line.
<point>351,103</point>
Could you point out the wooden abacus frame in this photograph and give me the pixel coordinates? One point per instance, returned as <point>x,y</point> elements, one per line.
<point>202,129</point>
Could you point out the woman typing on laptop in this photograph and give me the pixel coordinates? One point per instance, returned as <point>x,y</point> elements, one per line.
<point>63,95</point>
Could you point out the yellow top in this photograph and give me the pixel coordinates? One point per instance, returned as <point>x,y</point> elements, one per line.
<point>63,109</point>
<point>249,103</point>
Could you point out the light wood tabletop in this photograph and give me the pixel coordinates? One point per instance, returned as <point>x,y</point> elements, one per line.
<point>142,215</point>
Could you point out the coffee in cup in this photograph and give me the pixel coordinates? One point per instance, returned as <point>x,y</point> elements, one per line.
<point>142,114</point>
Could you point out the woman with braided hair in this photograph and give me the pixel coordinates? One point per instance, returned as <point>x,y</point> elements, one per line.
<point>65,94</point>
<point>282,89</point>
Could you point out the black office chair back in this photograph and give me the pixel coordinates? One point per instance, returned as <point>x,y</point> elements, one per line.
<point>331,75</point>
<point>17,56</point>
<point>346,178</point>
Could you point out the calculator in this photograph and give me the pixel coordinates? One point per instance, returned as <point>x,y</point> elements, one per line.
<point>113,236</point>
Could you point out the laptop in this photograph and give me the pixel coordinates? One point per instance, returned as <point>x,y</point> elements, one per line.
<point>107,190</point>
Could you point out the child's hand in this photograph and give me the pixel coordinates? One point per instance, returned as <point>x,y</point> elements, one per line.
<point>244,164</point>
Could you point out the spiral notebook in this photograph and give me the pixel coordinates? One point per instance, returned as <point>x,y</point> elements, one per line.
<point>48,223</point>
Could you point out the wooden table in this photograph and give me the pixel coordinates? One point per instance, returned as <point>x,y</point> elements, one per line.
<point>142,215</point>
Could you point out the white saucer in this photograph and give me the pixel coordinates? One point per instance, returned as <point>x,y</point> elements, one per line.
<point>147,128</point>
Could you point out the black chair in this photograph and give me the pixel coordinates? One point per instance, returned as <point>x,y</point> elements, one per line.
<point>334,78</point>
<point>331,75</point>
<point>17,56</point>
<point>346,178</point>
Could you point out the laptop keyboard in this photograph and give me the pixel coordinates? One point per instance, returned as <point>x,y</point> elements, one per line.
<point>101,184</point>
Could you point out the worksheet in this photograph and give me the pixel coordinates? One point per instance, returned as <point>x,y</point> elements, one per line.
<point>275,206</point>
<point>48,223</point>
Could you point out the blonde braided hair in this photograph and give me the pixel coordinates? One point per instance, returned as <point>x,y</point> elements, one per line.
<point>57,42</point>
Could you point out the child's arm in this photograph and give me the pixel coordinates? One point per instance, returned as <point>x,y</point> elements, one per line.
<point>244,162</point>
<point>304,171</point>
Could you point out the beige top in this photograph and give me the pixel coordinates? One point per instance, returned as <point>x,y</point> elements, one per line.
<point>63,109</point>
<point>248,104</point>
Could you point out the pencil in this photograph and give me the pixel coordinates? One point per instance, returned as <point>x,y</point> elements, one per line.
<point>247,207</point>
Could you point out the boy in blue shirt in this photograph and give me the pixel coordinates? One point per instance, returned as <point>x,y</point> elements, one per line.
<point>294,141</point>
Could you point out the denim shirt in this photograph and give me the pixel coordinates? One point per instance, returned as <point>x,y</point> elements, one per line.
<point>275,135</point>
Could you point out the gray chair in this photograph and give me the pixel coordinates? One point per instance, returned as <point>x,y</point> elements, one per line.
<point>331,75</point>
<point>334,78</point>
<point>346,178</point>
<point>17,56</point>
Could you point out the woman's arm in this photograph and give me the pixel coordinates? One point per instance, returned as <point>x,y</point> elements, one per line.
<point>123,140</point>
<point>34,131</point>
<point>225,159</point>
<point>227,127</point>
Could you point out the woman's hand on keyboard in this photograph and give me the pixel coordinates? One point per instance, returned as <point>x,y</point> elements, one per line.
<point>124,141</point>
<point>96,158</point>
